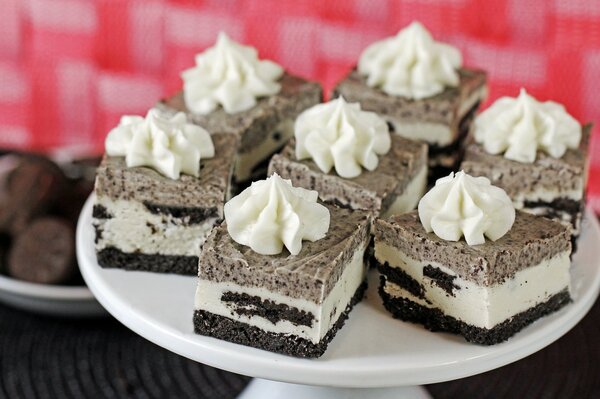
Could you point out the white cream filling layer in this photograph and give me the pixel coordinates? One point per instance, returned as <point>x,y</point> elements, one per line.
<point>477,305</point>
<point>430,132</point>
<point>247,161</point>
<point>436,133</point>
<point>132,228</point>
<point>478,95</point>
<point>409,199</point>
<point>546,196</point>
<point>208,298</point>
<point>564,218</point>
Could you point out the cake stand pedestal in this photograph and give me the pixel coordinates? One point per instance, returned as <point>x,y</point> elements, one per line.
<point>373,356</point>
<point>266,389</point>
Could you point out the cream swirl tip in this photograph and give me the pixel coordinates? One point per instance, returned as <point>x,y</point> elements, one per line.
<point>411,64</point>
<point>462,205</point>
<point>520,127</point>
<point>272,213</point>
<point>231,75</point>
<point>340,135</point>
<point>171,146</point>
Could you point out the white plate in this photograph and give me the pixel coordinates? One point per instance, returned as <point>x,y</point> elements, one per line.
<point>372,350</point>
<point>56,300</point>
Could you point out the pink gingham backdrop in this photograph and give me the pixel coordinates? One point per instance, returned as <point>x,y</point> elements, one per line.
<point>70,68</point>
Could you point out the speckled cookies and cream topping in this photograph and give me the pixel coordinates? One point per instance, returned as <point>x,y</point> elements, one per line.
<point>171,146</point>
<point>462,205</point>
<point>340,135</point>
<point>231,75</point>
<point>519,127</point>
<point>272,213</point>
<point>411,64</point>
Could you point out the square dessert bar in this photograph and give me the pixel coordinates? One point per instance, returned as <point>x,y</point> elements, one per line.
<point>395,186</point>
<point>146,221</point>
<point>442,121</point>
<point>484,292</point>
<point>263,129</point>
<point>551,187</point>
<point>283,303</point>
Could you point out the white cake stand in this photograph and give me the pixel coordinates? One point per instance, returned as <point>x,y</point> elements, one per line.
<point>385,357</point>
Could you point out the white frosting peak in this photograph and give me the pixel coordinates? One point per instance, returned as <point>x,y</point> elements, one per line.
<point>169,145</point>
<point>519,127</point>
<point>272,213</point>
<point>411,64</point>
<point>462,205</point>
<point>339,134</point>
<point>231,75</point>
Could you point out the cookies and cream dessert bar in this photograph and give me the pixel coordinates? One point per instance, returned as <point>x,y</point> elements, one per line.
<point>421,89</point>
<point>230,90</point>
<point>510,268</point>
<point>160,189</point>
<point>537,153</point>
<point>349,157</point>
<point>283,271</point>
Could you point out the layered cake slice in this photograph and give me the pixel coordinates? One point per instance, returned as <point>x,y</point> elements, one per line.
<point>231,91</point>
<point>537,153</point>
<point>419,86</point>
<point>348,156</point>
<point>510,269</point>
<point>159,190</point>
<point>261,285</point>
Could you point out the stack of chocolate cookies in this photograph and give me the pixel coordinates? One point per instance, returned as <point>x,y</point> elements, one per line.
<point>39,207</point>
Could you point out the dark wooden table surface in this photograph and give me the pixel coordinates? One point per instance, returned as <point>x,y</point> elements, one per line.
<point>42,357</point>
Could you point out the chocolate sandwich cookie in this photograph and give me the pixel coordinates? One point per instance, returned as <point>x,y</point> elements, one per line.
<point>4,247</point>
<point>44,252</point>
<point>31,189</point>
<point>80,183</point>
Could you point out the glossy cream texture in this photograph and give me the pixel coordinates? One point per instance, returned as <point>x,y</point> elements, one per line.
<point>411,64</point>
<point>170,145</point>
<point>271,214</point>
<point>325,313</point>
<point>461,205</point>
<point>477,305</point>
<point>519,127</point>
<point>229,75</point>
<point>342,136</point>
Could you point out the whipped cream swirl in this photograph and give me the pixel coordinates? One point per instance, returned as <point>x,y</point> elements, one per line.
<point>341,135</point>
<point>231,75</point>
<point>520,127</point>
<point>462,205</point>
<point>171,146</point>
<point>272,213</point>
<point>411,64</point>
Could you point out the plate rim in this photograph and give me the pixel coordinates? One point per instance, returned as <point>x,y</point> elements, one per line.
<point>44,291</point>
<point>248,361</point>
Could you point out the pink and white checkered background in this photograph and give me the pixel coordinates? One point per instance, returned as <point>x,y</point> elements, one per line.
<point>70,68</point>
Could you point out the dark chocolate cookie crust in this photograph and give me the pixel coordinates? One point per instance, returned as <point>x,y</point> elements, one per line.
<point>249,305</point>
<point>206,323</point>
<point>112,257</point>
<point>434,320</point>
<point>400,277</point>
